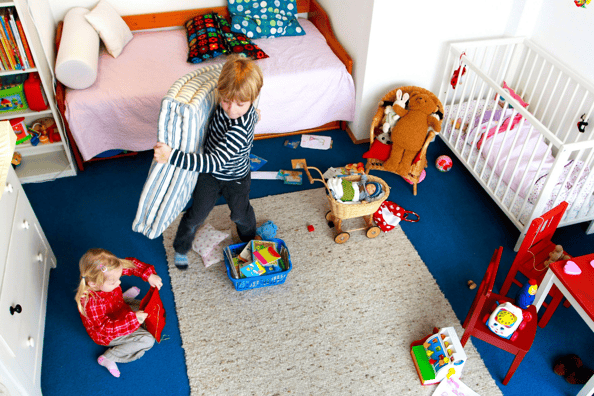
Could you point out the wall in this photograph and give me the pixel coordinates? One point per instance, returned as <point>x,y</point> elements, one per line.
<point>351,22</point>
<point>565,31</point>
<point>408,44</point>
<point>130,7</point>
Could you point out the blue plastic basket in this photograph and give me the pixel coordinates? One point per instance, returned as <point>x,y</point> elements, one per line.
<point>255,282</point>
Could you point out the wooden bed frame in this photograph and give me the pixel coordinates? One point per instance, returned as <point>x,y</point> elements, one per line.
<point>316,15</point>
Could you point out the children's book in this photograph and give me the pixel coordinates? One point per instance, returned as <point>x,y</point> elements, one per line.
<point>246,253</point>
<point>153,306</point>
<point>292,143</point>
<point>266,256</point>
<point>291,176</point>
<point>256,162</point>
<point>316,142</point>
<point>252,269</point>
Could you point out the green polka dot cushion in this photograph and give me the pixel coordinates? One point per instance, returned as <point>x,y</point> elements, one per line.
<point>264,18</point>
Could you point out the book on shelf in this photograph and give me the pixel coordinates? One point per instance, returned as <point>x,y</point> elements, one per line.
<point>4,58</point>
<point>11,39</point>
<point>25,43</point>
<point>7,50</point>
<point>8,47</point>
<point>18,39</point>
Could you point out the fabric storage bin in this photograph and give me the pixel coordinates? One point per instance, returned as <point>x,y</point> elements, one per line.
<point>254,282</point>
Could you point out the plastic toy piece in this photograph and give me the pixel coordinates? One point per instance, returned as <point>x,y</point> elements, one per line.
<point>505,320</point>
<point>310,228</point>
<point>525,296</point>
<point>471,284</point>
<point>572,268</point>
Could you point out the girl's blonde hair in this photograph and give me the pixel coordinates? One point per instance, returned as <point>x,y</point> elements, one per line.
<point>93,265</point>
<point>241,79</point>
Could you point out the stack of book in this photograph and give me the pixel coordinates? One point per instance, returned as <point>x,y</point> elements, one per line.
<point>15,53</point>
<point>256,259</point>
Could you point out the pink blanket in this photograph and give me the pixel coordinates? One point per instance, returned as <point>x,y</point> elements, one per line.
<point>305,85</point>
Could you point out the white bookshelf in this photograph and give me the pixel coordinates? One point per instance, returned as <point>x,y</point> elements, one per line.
<point>43,162</point>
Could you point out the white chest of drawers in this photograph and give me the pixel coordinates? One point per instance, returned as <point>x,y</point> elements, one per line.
<point>25,262</point>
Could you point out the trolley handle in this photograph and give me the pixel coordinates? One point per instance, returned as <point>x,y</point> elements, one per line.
<point>302,164</point>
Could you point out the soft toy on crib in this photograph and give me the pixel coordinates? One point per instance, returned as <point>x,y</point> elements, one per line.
<point>409,133</point>
<point>354,191</point>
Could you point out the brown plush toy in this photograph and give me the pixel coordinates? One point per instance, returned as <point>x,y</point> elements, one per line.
<point>556,255</point>
<point>409,133</point>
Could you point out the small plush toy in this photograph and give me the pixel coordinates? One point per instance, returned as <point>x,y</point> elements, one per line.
<point>556,255</point>
<point>409,133</point>
<point>267,231</point>
<point>390,116</point>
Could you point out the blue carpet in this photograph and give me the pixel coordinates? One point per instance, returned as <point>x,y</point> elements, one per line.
<point>460,227</point>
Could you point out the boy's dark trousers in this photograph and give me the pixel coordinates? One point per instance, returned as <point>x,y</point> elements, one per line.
<point>206,194</point>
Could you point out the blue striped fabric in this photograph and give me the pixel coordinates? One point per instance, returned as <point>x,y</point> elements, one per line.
<point>182,124</point>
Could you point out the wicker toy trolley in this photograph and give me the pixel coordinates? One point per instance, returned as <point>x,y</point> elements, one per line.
<point>341,211</point>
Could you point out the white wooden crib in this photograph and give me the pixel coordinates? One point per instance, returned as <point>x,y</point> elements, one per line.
<point>535,157</point>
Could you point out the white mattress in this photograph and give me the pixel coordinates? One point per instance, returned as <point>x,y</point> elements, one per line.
<point>305,86</point>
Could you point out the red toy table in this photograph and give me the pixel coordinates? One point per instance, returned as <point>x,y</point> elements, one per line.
<point>577,289</point>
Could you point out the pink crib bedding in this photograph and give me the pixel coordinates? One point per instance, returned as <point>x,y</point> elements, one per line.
<point>305,86</point>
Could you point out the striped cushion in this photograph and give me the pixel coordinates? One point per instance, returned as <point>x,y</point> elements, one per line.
<point>182,124</point>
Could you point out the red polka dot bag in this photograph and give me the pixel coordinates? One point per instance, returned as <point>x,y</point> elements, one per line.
<point>390,214</point>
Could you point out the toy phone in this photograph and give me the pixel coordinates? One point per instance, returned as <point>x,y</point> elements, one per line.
<point>505,320</point>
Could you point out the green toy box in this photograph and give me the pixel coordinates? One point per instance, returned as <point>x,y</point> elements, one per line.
<point>13,99</point>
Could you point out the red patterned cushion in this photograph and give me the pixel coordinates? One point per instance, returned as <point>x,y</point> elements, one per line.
<point>204,38</point>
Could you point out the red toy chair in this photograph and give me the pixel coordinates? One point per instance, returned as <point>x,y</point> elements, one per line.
<point>532,254</point>
<point>484,303</point>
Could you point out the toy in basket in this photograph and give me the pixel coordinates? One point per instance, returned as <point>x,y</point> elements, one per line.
<point>271,277</point>
<point>340,211</point>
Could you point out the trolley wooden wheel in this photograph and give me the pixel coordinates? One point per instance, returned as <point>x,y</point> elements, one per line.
<point>373,232</point>
<point>342,237</point>
<point>329,215</point>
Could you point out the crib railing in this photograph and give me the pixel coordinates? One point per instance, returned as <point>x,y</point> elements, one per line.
<point>557,98</point>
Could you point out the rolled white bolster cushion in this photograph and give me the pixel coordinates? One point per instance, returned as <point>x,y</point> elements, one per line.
<point>78,56</point>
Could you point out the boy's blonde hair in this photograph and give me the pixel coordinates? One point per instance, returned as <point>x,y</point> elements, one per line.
<point>241,79</point>
<point>93,265</point>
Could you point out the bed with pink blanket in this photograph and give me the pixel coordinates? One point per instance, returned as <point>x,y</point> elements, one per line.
<point>307,87</point>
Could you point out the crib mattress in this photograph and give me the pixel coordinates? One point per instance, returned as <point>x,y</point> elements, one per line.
<point>305,86</point>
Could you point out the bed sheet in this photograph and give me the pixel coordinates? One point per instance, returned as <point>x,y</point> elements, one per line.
<point>305,86</point>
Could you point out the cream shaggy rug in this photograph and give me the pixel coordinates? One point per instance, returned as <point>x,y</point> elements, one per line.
<point>341,324</point>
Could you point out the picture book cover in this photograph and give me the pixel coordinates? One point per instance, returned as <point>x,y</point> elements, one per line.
<point>291,176</point>
<point>252,269</point>
<point>256,162</point>
<point>153,306</point>
<point>259,244</point>
<point>266,256</point>
<point>292,143</point>
<point>316,142</point>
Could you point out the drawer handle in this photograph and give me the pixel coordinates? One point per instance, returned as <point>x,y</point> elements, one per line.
<point>17,308</point>
<point>40,257</point>
<point>31,342</point>
<point>8,188</point>
<point>25,224</point>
